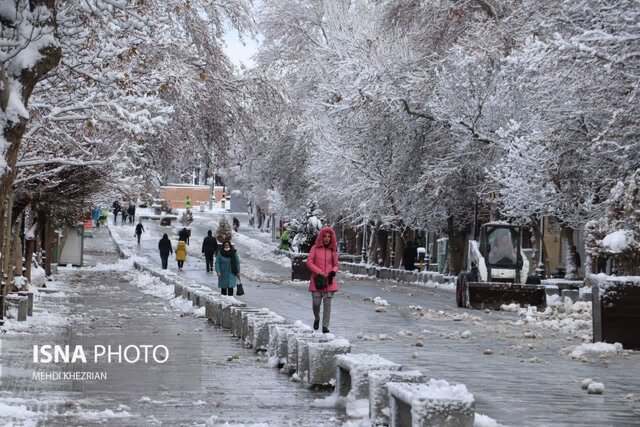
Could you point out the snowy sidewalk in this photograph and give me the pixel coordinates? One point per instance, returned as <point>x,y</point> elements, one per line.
<point>520,368</point>
<point>210,379</point>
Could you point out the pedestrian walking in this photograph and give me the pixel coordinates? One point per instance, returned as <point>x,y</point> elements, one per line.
<point>227,268</point>
<point>165,250</point>
<point>209,249</point>
<point>124,216</point>
<point>131,212</point>
<point>285,245</point>
<point>184,235</point>
<point>323,263</point>
<point>409,256</point>
<point>181,254</point>
<point>116,210</point>
<point>139,231</point>
<point>236,224</point>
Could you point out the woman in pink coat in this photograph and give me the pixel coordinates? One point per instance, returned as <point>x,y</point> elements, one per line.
<point>323,263</point>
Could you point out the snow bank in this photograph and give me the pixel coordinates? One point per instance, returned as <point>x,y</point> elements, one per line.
<point>484,421</point>
<point>565,316</point>
<point>151,285</point>
<point>596,348</point>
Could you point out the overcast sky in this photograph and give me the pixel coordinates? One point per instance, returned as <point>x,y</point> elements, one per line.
<point>239,53</point>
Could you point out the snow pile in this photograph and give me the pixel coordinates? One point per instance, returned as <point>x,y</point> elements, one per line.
<point>381,302</point>
<point>510,307</point>
<point>484,421</point>
<point>596,348</point>
<point>120,265</point>
<point>38,276</point>
<point>15,413</point>
<point>186,307</point>
<point>618,241</point>
<point>567,316</point>
<point>151,285</point>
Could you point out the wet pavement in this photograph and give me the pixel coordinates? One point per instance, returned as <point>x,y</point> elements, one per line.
<point>209,378</point>
<point>519,374</point>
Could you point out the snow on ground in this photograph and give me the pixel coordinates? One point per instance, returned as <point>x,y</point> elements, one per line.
<point>151,285</point>
<point>484,421</point>
<point>262,251</point>
<point>566,316</point>
<point>597,348</point>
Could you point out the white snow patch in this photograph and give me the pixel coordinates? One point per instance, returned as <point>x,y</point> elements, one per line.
<point>381,302</point>
<point>484,421</point>
<point>618,241</point>
<point>596,348</point>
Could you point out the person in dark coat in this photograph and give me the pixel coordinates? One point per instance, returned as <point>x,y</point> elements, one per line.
<point>131,212</point>
<point>236,224</point>
<point>227,268</point>
<point>409,256</point>
<point>165,250</point>
<point>209,249</point>
<point>184,235</point>
<point>124,215</point>
<point>139,231</point>
<point>116,211</point>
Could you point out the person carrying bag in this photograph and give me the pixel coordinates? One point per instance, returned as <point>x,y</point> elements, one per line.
<point>323,263</point>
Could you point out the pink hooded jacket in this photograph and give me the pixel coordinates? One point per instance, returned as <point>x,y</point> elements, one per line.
<point>323,259</point>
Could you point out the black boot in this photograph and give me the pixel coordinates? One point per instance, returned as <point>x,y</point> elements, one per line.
<point>325,330</point>
<point>316,325</point>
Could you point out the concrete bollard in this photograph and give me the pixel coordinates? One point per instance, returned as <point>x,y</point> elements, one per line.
<point>379,395</point>
<point>276,351</point>
<point>322,360</point>
<point>352,373</point>
<point>29,296</point>
<point>226,311</point>
<point>435,403</point>
<point>21,303</point>
<point>260,327</point>
<point>247,324</point>
<point>186,293</point>
<point>290,342</point>
<point>299,352</point>
<point>236,318</point>
<point>177,289</point>
<point>550,290</point>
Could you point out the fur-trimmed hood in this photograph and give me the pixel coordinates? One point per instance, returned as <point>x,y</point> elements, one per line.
<point>334,241</point>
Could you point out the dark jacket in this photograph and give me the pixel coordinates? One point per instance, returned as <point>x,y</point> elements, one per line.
<point>209,245</point>
<point>165,247</point>
<point>184,235</point>
<point>409,256</point>
<point>131,210</point>
<point>140,229</point>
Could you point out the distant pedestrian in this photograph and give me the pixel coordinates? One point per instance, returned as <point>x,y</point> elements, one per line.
<point>184,235</point>
<point>227,268</point>
<point>323,263</point>
<point>165,250</point>
<point>124,216</point>
<point>209,249</point>
<point>181,254</point>
<point>139,231</point>
<point>409,256</point>
<point>285,245</point>
<point>131,212</point>
<point>116,210</point>
<point>575,257</point>
<point>236,224</point>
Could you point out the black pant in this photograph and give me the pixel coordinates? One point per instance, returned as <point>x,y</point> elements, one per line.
<point>208,257</point>
<point>227,291</point>
<point>165,261</point>
<point>138,236</point>
<point>180,264</point>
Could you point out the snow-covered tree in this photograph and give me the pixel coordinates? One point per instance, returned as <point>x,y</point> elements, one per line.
<point>224,232</point>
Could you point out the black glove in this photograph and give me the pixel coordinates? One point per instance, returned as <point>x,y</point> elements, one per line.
<point>332,274</point>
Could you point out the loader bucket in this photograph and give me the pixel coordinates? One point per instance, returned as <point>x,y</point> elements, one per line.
<point>492,295</point>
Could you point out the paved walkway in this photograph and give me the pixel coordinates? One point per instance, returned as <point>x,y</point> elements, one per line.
<point>210,378</point>
<point>524,381</point>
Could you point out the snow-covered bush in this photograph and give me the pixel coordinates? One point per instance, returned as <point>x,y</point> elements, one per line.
<point>617,234</point>
<point>225,232</point>
<point>303,231</point>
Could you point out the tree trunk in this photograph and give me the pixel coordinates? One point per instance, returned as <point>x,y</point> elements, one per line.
<point>457,243</point>
<point>49,235</point>
<point>566,239</point>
